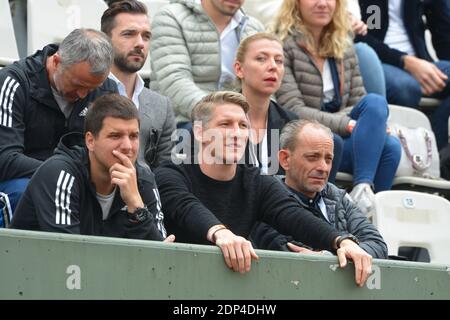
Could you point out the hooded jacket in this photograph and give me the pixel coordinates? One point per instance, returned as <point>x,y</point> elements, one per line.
<point>31,122</point>
<point>62,198</point>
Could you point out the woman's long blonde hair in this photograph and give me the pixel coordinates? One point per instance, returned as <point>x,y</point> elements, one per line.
<point>335,38</point>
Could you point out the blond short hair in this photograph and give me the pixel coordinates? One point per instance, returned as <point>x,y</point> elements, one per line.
<point>204,109</point>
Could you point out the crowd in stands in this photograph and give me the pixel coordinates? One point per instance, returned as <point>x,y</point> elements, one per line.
<point>272,112</point>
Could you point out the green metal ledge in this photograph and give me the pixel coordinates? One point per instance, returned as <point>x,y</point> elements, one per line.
<point>38,265</point>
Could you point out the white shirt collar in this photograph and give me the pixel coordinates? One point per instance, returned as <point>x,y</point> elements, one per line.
<point>139,86</point>
<point>233,24</point>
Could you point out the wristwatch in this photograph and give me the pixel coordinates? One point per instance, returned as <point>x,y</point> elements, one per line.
<point>347,236</point>
<point>139,215</point>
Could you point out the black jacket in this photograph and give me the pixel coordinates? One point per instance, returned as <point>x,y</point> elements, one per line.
<point>31,122</point>
<point>437,13</point>
<point>276,120</point>
<point>61,198</point>
<point>347,219</point>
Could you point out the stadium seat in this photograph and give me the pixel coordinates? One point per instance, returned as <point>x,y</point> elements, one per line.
<point>8,44</point>
<point>410,118</point>
<point>414,219</point>
<point>50,21</point>
<point>413,118</point>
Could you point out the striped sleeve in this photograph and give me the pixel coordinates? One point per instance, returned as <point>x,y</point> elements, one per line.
<point>7,93</point>
<point>62,198</point>
<point>14,106</point>
<point>159,216</point>
<point>55,192</point>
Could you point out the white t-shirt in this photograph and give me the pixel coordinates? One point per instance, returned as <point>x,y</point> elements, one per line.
<point>396,35</point>
<point>328,85</point>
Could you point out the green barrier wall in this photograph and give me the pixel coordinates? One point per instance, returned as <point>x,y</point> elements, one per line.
<point>37,265</point>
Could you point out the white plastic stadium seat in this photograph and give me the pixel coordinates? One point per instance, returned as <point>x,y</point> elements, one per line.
<point>153,6</point>
<point>412,118</point>
<point>414,219</point>
<point>8,45</point>
<point>50,21</point>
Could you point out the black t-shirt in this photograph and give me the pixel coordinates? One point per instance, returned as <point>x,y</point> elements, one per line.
<point>192,203</point>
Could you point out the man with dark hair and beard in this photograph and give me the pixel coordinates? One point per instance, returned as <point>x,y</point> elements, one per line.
<point>128,26</point>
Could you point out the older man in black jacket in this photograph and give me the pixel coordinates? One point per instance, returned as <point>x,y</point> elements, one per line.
<point>306,154</point>
<point>45,96</point>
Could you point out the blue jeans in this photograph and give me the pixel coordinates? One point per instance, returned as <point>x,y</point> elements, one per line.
<point>14,188</point>
<point>370,154</point>
<point>404,90</point>
<point>371,69</point>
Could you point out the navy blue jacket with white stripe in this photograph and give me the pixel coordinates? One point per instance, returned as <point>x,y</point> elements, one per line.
<point>31,122</point>
<point>61,198</point>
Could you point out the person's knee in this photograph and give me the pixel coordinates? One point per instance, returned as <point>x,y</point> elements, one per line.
<point>376,106</point>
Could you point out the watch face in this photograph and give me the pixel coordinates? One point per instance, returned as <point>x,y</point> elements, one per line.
<point>139,215</point>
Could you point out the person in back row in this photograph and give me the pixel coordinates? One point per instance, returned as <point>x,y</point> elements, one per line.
<point>259,67</point>
<point>218,201</point>
<point>128,26</point>
<point>44,96</point>
<point>193,49</point>
<point>306,155</point>
<point>322,82</point>
<point>409,69</point>
<point>96,189</point>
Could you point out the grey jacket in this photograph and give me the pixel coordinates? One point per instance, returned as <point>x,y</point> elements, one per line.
<point>185,51</point>
<point>301,90</point>
<point>156,127</point>
<point>347,219</point>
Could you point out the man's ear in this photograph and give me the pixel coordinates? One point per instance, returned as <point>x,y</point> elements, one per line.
<point>56,60</point>
<point>197,128</point>
<point>89,140</point>
<point>284,157</point>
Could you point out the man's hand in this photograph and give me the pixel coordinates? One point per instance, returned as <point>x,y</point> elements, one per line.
<point>298,249</point>
<point>123,175</point>
<point>361,259</point>
<point>430,78</point>
<point>237,251</point>
<point>170,238</point>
